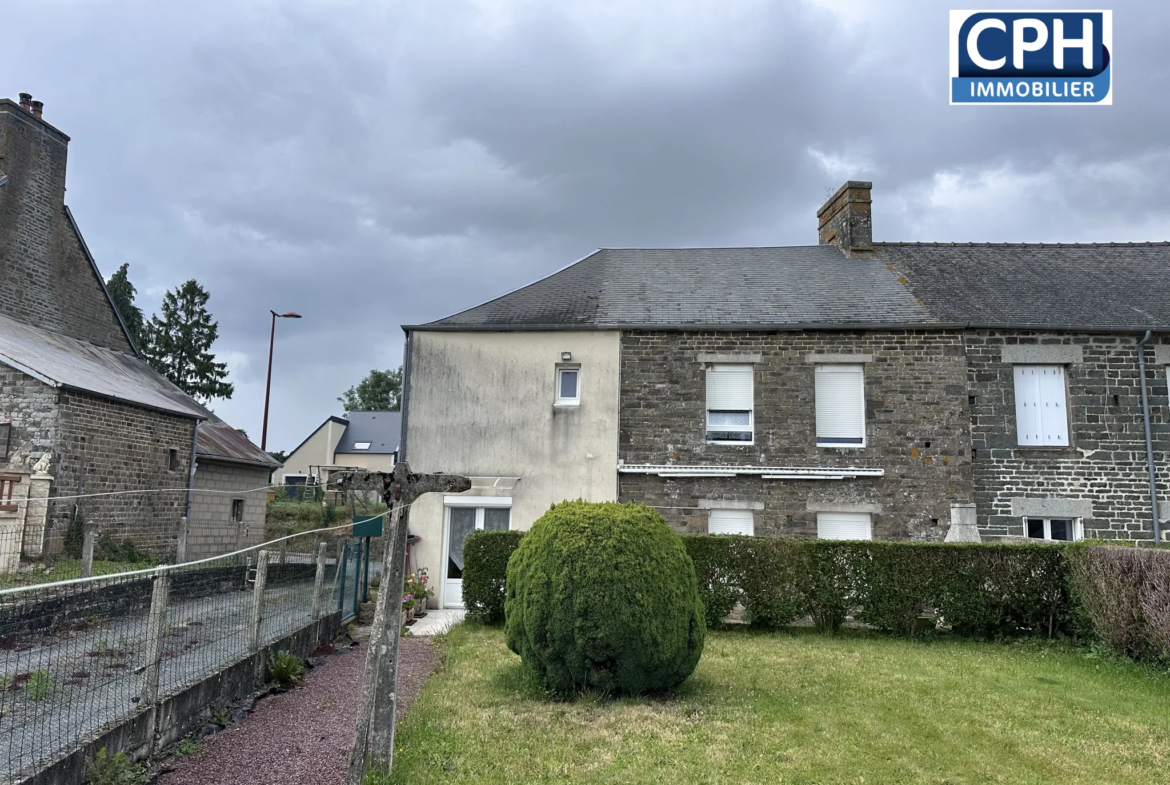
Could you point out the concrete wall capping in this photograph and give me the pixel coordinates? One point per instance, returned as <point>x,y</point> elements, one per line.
<point>874,509</point>
<point>730,357</point>
<point>1043,354</point>
<point>729,504</point>
<point>1052,507</point>
<point>838,359</point>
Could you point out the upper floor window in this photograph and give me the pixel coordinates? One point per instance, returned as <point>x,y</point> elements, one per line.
<point>730,403</point>
<point>172,460</point>
<point>731,522</point>
<point>1041,406</point>
<point>1058,529</point>
<point>844,526</point>
<point>568,386</point>
<point>840,399</point>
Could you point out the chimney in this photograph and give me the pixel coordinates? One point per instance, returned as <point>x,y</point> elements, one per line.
<point>844,220</point>
<point>38,108</point>
<point>26,102</point>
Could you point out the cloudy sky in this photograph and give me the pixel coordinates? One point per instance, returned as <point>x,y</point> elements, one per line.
<point>372,164</point>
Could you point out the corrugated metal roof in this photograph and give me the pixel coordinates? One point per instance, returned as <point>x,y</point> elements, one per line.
<point>220,441</point>
<point>68,362</point>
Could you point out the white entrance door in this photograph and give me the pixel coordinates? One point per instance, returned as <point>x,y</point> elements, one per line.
<point>462,519</point>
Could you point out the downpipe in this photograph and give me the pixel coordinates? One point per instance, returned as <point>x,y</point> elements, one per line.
<point>1141,347</point>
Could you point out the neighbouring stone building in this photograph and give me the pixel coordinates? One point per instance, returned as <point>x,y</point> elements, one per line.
<point>848,389</point>
<point>77,401</point>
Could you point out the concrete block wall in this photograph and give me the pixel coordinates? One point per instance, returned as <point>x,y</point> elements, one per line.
<point>1104,466</point>
<point>916,428</point>
<point>211,530</point>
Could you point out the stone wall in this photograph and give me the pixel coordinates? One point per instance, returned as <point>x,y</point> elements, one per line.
<point>31,407</point>
<point>48,280</point>
<point>211,530</point>
<point>1101,476</point>
<point>916,429</point>
<point>111,446</point>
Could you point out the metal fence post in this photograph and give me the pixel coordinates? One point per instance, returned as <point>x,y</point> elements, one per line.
<point>339,576</point>
<point>181,542</point>
<point>318,581</point>
<point>258,601</point>
<point>155,632</point>
<point>87,546</point>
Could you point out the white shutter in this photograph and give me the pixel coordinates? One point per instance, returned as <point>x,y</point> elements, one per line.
<point>844,526</point>
<point>729,388</point>
<point>840,399</point>
<point>1053,406</point>
<point>731,522</point>
<point>1041,408</point>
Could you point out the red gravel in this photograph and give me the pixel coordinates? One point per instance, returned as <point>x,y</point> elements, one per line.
<point>302,737</point>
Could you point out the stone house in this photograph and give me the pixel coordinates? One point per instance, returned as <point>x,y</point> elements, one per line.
<point>848,389</point>
<point>115,443</point>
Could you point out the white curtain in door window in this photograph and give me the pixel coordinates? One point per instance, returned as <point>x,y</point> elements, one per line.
<point>840,401</point>
<point>731,522</point>
<point>729,388</point>
<point>844,526</point>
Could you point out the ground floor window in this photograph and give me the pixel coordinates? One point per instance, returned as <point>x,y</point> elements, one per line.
<point>465,520</point>
<point>844,526</point>
<point>731,522</point>
<point>1057,529</point>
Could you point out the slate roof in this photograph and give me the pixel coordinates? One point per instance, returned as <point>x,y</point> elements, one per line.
<point>1059,287</point>
<point>68,362</point>
<point>381,429</point>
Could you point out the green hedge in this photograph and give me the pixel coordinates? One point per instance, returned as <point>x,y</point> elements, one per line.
<point>980,590</point>
<point>1123,596</point>
<point>485,565</point>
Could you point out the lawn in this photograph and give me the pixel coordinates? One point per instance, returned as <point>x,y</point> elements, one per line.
<point>799,708</point>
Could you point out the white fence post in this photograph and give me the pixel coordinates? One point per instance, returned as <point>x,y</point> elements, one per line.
<point>258,601</point>
<point>181,542</point>
<point>87,546</point>
<point>318,582</point>
<point>155,632</point>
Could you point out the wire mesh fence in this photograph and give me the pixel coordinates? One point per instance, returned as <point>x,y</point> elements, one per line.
<point>79,656</point>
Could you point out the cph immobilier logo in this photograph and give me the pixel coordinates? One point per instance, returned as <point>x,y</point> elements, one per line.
<point>1031,57</point>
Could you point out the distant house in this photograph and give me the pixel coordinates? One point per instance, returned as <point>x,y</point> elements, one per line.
<point>850,389</point>
<point>88,430</point>
<point>363,440</point>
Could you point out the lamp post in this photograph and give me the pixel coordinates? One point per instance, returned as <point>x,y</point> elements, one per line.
<point>268,386</point>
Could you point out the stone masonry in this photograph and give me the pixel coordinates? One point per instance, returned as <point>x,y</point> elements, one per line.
<point>1101,476</point>
<point>31,407</point>
<point>916,427</point>
<point>48,279</point>
<point>210,529</point>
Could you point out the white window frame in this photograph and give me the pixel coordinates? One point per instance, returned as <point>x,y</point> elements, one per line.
<point>869,525</point>
<point>1043,440</point>
<point>829,441</point>
<point>750,428</point>
<point>567,401</point>
<point>1078,528</point>
<point>749,514</point>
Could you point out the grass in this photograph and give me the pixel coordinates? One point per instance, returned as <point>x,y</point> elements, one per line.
<point>797,708</point>
<point>67,569</point>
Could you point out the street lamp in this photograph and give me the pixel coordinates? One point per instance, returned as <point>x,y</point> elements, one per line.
<point>268,386</point>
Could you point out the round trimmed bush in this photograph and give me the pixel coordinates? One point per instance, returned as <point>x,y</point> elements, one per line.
<point>604,596</point>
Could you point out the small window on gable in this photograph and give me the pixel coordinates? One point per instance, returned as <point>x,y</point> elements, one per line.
<point>237,510</point>
<point>731,522</point>
<point>568,386</point>
<point>5,440</point>
<point>1041,406</point>
<point>840,402</point>
<point>730,403</point>
<point>173,459</point>
<point>1055,529</point>
<point>361,445</point>
<point>844,526</point>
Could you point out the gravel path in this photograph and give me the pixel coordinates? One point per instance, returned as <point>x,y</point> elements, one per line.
<point>302,737</point>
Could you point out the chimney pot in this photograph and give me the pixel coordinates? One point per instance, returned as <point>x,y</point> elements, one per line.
<point>26,101</point>
<point>844,220</point>
<point>38,108</point>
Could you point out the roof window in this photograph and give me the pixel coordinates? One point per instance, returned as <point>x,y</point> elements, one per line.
<point>361,445</point>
